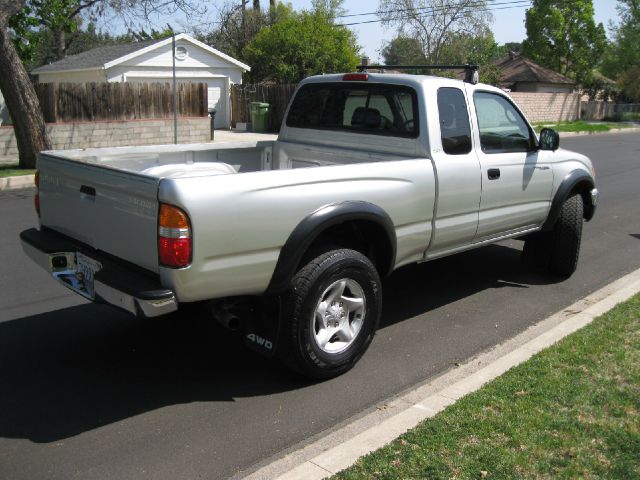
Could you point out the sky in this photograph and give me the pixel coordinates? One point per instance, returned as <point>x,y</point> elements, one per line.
<point>508,23</point>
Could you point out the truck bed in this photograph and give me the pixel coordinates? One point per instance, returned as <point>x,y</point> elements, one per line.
<point>107,198</point>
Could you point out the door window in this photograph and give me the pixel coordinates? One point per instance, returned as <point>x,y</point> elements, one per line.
<point>502,127</point>
<point>454,121</point>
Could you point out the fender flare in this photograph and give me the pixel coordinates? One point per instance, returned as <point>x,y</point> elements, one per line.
<point>568,184</point>
<point>317,222</point>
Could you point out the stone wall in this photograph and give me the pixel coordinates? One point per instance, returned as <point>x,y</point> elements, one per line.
<point>548,107</point>
<point>113,134</point>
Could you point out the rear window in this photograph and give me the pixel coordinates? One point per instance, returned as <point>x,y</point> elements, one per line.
<point>356,107</point>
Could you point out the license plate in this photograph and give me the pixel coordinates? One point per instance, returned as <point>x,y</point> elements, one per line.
<point>78,274</point>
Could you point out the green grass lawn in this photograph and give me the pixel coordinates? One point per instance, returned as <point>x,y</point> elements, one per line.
<point>571,411</point>
<point>13,171</point>
<point>579,126</point>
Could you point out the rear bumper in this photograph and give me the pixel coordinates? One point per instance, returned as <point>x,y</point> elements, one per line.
<point>116,283</point>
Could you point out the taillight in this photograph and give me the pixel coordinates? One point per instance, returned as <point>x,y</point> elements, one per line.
<point>174,237</point>
<point>36,199</point>
<point>355,77</point>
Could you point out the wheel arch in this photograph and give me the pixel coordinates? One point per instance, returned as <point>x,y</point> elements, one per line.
<point>577,181</point>
<point>359,225</point>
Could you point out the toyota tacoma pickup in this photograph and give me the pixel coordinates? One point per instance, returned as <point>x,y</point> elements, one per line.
<point>289,239</point>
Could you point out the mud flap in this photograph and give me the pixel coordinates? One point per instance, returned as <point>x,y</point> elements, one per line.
<point>260,331</point>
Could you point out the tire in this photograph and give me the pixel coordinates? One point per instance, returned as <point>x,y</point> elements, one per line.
<point>558,251</point>
<point>330,314</point>
<point>566,237</point>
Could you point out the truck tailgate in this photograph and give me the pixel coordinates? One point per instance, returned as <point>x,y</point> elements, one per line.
<point>110,210</point>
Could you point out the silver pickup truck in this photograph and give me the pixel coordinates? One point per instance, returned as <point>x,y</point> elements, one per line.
<point>288,240</point>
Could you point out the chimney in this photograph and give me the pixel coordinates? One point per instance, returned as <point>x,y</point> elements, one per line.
<point>365,61</point>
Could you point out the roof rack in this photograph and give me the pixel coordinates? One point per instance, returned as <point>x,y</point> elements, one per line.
<point>470,70</point>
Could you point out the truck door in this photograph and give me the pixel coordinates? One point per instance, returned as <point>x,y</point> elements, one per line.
<point>458,172</point>
<point>517,179</point>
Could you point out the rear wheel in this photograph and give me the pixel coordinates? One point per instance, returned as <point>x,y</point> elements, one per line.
<point>330,314</point>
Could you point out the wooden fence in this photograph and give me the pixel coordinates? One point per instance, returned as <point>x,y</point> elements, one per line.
<point>75,102</point>
<point>277,96</point>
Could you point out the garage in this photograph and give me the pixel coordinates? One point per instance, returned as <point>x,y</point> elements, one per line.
<point>153,61</point>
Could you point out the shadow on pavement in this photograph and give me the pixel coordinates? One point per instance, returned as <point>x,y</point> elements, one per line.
<point>419,288</point>
<point>72,370</point>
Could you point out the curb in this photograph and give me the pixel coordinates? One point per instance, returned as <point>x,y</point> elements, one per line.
<point>339,449</point>
<point>17,182</point>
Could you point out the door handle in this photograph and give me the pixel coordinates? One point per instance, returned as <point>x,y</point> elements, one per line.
<point>493,173</point>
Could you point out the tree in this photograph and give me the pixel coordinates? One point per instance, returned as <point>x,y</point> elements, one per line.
<point>58,18</point>
<point>300,45</point>
<point>236,27</point>
<point>21,21</point>
<point>331,8</point>
<point>479,48</point>
<point>19,94</point>
<point>562,35</point>
<point>403,50</point>
<point>505,48</point>
<point>624,50</point>
<point>629,83</point>
<point>434,22</point>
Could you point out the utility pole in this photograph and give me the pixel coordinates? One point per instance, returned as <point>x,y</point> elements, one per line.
<point>175,93</point>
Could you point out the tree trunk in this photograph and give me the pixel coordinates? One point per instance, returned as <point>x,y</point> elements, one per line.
<point>60,44</point>
<point>21,100</point>
<point>272,12</point>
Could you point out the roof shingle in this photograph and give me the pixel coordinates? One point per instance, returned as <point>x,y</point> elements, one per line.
<point>95,58</point>
<point>516,68</point>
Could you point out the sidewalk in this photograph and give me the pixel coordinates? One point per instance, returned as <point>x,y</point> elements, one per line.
<point>341,447</point>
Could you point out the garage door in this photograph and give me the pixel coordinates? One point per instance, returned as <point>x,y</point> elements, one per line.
<point>217,92</point>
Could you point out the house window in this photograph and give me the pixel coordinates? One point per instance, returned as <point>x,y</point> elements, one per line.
<point>181,52</point>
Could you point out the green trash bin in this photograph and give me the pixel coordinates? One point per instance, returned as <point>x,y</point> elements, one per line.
<point>260,117</point>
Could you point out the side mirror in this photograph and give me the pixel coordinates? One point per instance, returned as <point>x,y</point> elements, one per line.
<point>549,139</point>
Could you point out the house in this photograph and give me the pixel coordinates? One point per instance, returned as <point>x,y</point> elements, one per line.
<point>521,74</point>
<point>152,61</point>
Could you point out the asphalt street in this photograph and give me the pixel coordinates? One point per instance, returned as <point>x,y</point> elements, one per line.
<point>89,392</point>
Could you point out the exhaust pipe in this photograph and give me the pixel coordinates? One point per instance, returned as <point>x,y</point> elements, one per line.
<point>221,311</point>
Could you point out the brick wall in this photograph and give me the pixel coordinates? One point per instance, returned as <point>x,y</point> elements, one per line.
<point>113,134</point>
<point>548,107</point>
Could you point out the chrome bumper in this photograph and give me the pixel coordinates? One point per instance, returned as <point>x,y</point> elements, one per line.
<point>113,284</point>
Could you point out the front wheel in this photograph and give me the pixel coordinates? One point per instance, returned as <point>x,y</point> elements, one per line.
<point>330,314</point>
<point>558,250</point>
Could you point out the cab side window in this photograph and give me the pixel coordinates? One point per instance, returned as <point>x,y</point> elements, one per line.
<point>502,128</point>
<point>454,121</point>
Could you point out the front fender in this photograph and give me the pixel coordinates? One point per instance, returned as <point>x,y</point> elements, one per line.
<point>577,181</point>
